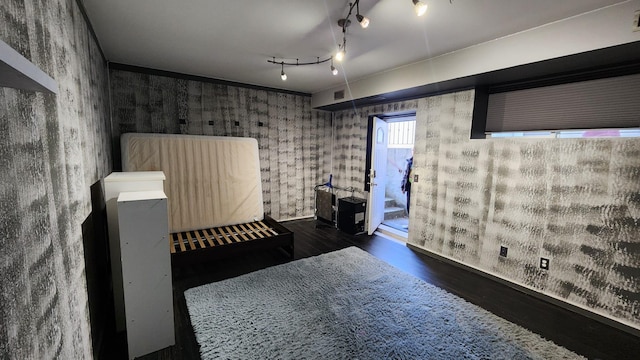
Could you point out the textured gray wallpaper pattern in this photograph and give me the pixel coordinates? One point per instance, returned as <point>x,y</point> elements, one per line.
<point>575,201</point>
<point>52,149</point>
<point>294,140</point>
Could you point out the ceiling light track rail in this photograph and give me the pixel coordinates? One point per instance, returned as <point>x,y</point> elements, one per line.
<point>298,63</point>
<point>419,7</point>
<point>282,63</point>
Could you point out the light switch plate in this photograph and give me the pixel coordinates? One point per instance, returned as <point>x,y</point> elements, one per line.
<point>636,21</point>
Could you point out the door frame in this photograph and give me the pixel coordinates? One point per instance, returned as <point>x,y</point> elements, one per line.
<point>370,139</point>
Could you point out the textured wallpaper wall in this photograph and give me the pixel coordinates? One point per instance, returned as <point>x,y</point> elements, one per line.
<point>575,201</point>
<point>294,140</point>
<point>52,149</point>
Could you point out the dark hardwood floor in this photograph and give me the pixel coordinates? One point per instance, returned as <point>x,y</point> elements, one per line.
<point>578,333</point>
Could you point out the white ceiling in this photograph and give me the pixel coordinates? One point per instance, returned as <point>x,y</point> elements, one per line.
<point>233,39</point>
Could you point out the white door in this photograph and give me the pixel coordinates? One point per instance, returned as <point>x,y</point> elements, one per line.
<point>375,204</point>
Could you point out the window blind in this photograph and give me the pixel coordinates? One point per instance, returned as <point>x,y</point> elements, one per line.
<point>603,103</point>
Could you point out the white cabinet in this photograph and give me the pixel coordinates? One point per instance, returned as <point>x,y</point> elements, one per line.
<point>114,184</point>
<point>146,271</point>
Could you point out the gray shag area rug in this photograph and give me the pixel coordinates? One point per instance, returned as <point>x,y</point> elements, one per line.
<point>349,305</point>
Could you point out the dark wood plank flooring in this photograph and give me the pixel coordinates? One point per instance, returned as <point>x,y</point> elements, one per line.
<point>578,333</point>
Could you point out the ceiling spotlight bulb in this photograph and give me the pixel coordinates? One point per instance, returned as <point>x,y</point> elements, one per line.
<point>283,76</point>
<point>334,71</point>
<point>419,7</point>
<point>363,20</point>
<point>340,55</point>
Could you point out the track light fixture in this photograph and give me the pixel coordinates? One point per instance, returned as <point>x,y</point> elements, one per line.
<point>282,63</point>
<point>339,56</point>
<point>419,7</point>
<point>363,20</point>
<point>344,24</point>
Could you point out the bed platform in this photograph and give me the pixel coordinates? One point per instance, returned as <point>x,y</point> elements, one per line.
<point>223,241</point>
<point>214,189</point>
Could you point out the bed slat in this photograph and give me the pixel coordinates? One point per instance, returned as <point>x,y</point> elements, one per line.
<point>220,236</point>
<point>172,244</point>
<point>261,231</point>
<point>240,233</point>
<point>191,245</point>
<point>223,235</point>
<point>247,231</point>
<point>199,239</point>
<point>217,237</point>
<point>206,235</point>
<point>232,234</point>
<point>256,230</point>
<point>267,229</point>
<point>181,243</point>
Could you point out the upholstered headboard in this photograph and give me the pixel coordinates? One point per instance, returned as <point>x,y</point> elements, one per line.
<point>210,180</point>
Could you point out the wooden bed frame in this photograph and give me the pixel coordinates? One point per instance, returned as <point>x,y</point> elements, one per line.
<point>234,196</point>
<point>220,242</point>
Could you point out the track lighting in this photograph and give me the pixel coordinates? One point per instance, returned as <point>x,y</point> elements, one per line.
<point>282,63</point>
<point>419,7</point>
<point>339,56</point>
<point>363,20</point>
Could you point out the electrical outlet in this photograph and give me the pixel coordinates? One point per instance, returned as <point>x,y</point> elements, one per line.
<point>544,263</point>
<point>503,251</point>
<point>636,21</point>
<point>415,178</point>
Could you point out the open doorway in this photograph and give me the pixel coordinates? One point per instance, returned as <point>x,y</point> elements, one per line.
<point>389,145</point>
<point>399,151</point>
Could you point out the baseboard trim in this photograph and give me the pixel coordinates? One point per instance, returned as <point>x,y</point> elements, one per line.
<point>544,297</point>
<point>295,218</point>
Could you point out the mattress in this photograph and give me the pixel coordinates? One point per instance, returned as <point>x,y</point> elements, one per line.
<point>211,181</point>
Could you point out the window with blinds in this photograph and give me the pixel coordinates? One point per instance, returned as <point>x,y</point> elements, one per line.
<point>606,105</point>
